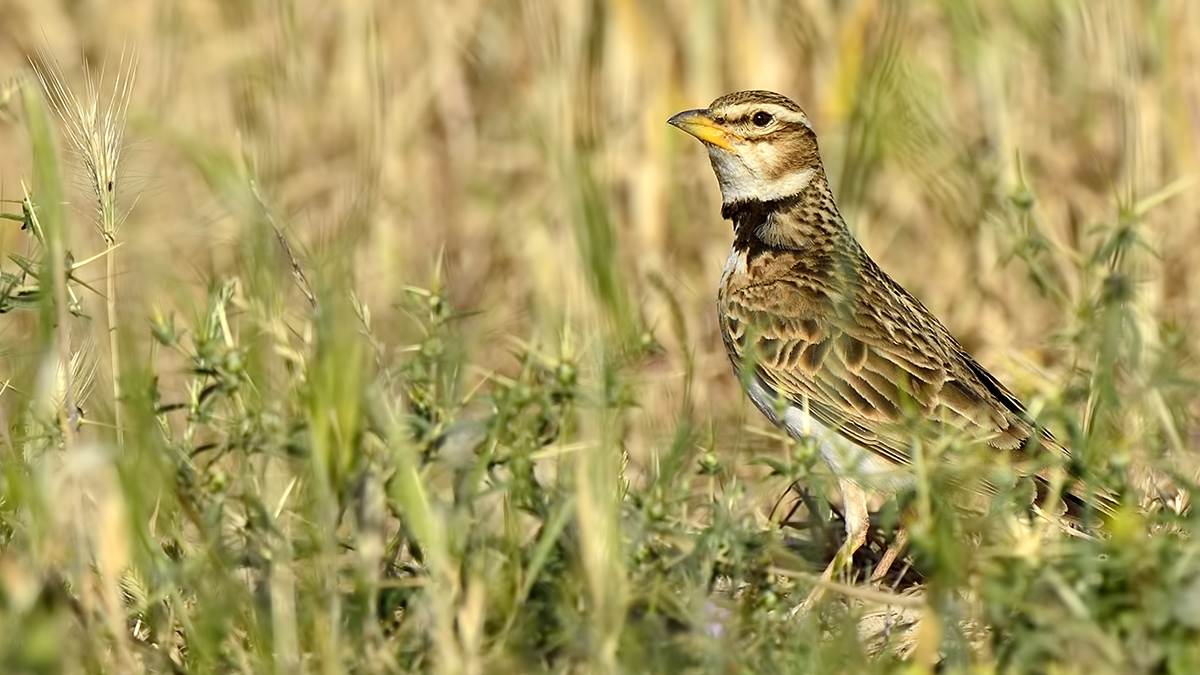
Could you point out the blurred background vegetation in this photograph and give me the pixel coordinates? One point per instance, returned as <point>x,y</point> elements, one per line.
<point>412,306</point>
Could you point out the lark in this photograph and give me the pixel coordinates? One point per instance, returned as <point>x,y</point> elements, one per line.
<point>828,345</point>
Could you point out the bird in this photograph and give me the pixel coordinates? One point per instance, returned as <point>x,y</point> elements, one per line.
<point>828,346</point>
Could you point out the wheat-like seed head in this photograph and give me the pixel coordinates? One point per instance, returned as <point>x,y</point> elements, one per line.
<point>94,128</point>
<point>9,89</point>
<point>79,375</point>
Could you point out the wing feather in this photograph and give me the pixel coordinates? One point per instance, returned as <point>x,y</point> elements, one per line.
<point>864,370</point>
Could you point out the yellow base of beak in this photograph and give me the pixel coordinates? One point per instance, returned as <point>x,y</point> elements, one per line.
<point>700,124</point>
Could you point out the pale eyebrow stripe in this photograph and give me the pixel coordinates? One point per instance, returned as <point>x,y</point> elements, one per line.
<point>744,110</point>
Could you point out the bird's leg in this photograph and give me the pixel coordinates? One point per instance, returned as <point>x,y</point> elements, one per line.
<point>858,520</point>
<point>889,556</point>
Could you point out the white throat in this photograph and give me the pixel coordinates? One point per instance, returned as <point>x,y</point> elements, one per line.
<point>740,184</point>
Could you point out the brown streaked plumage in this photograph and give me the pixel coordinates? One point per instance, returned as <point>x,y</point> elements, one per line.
<point>840,352</point>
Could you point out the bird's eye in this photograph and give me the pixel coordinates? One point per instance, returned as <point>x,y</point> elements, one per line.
<point>761,119</point>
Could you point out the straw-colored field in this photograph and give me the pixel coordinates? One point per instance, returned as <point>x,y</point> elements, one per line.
<point>475,416</point>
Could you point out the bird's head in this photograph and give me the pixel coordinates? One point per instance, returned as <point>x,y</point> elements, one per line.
<point>761,144</point>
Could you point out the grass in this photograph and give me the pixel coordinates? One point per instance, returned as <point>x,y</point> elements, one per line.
<point>392,347</point>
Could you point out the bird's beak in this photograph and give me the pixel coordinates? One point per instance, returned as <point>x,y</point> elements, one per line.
<point>700,124</point>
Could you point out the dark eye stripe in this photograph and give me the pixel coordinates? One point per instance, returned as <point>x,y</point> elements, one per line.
<point>778,126</point>
<point>781,119</point>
